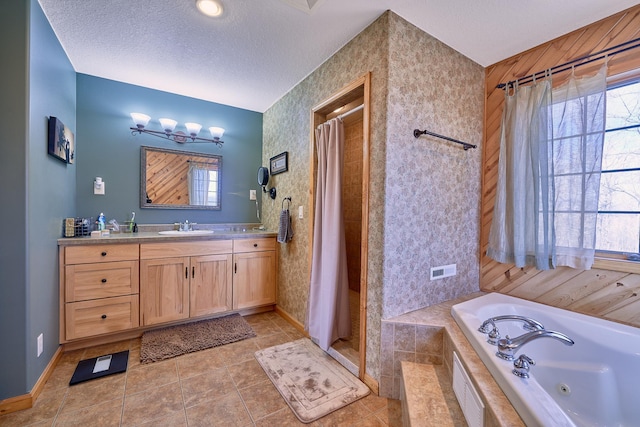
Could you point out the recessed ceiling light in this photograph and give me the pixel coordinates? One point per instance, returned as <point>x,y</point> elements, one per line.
<point>209,7</point>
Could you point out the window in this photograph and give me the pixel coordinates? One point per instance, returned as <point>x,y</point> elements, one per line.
<point>618,223</point>
<point>212,192</point>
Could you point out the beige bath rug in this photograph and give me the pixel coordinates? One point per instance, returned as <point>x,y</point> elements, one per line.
<point>311,382</point>
<point>172,341</point>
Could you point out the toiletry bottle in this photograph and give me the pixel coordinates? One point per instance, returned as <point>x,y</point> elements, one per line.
<point>101,222</point>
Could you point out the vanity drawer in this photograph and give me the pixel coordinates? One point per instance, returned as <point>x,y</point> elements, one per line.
<point>109,279</point>
<point>89,318</point>
<point>180,249</point>
<point>84,254</point>
<point>253,245</point>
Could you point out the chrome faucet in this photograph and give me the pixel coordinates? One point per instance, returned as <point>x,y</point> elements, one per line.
<point>507,347</point>
<point>187,226</point>
<point>521,366</point>
<point>494,334</point>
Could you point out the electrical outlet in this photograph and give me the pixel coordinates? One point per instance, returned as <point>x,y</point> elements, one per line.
<point>252,194</point>
<point>40,344</point>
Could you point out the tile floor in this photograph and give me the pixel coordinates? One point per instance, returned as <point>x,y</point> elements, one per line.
<point>223,386</point>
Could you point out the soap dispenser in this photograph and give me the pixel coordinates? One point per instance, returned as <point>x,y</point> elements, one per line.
<point>101,222</point>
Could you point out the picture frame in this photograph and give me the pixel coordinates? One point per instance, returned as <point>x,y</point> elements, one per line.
<point>279,163</point>
<point>61,142</point>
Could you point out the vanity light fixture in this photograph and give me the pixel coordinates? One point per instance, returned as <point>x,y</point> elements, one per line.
<point>168,126</point>
<point>211,8</point>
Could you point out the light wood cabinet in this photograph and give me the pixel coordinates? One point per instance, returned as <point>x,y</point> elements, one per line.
<point>110,288</point>
<point>165,290</point>
<point>175,288</point>
<point>254,281</point>
<point>100,292</point>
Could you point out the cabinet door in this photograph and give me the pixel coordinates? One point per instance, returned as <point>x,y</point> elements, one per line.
<point>254,282</point>
<point>164,290</point>
<point>211,277</point>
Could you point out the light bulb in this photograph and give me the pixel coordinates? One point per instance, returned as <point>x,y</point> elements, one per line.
<point>216,132</point>
<point>193,128</point>
<point>141,120</point>
<point>168,125</point>
<point>209,7</point>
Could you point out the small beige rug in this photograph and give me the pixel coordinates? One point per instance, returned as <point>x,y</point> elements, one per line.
<point>165,343</point>
<point>311,382</point>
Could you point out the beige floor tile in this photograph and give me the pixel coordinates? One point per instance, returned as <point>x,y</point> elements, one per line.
<point>370,421</point>
<point>151,375</point>
<point>265,328</point>
<point>227,410</point>
<point>104,414</point>
<point>247,373</point>
<point>93,392</point>
<point>238,351</point>
<point>284,418</point>
<point>272,340</point>
<point>392,414</point>
<point>178,419</point>
<point>262,399</point>
<point>134,358</point>
<point>373,402</point>
<point>206,387</point>
<point>44,410</point>
<point>199,362</point>
<point>61,376</point>
<point>106,349</point>
<point>347,416</point>
<point>154,404</point>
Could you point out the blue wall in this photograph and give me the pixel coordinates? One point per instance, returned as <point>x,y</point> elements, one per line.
<point>13,185</point>
<point>106,148</point>
<point>38,190</point>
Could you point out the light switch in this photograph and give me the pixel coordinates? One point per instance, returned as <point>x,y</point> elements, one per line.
<point>300,212</point>
<point>252,194</point>
<point>98,186</point>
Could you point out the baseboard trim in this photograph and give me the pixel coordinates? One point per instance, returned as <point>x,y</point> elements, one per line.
<point>299,326</point>
<point>26,401</point>
<point>371,383</point>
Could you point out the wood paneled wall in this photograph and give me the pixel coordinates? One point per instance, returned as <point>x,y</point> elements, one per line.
<point>612,288</point>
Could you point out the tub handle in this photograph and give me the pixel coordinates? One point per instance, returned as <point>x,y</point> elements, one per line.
<point>521,366</point>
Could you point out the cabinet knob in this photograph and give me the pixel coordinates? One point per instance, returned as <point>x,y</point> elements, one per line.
<point>104,280</point>
<point>255,245</point>
<point>104,253</point>
<point>104,316</point>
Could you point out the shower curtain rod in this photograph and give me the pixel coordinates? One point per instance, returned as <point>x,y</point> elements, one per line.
<point>622,47</point>
<point>353,110</point>
<point>466,145</point>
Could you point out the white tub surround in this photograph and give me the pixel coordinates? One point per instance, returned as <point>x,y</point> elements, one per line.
<point>589,383</point>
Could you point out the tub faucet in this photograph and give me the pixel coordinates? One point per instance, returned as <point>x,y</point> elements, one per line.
<point>494,335</point>
<point>507,347</point>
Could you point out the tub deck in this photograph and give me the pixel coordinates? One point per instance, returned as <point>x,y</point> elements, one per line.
<point>435,335</point>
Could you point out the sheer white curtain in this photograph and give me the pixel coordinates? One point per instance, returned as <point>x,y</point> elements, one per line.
<point>198,178</point>
<point>549,174</point>
<point>328,317</point>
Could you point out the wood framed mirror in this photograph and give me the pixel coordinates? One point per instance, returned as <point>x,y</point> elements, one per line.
<point>174,179</point>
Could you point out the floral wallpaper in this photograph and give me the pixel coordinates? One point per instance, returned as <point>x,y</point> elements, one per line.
<point>424,195</point>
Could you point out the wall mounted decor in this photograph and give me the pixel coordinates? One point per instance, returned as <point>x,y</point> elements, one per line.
<point>61,141</point>
<point>279,163</point>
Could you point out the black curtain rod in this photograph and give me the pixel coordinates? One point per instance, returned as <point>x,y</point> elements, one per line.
<point>418,132</point>
<point>622,47</point>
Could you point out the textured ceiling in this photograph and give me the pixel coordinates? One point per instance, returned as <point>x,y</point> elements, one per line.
<point>260,49</point>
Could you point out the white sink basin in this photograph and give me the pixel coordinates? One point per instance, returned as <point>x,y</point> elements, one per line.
<point>185,233</point>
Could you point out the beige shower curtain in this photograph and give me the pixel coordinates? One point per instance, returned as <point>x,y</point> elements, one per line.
<point>328,316</point>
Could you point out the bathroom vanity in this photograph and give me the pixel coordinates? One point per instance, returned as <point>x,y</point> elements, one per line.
<point>119,286</point>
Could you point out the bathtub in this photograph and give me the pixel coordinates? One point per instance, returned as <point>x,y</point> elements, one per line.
<point>592,383</point>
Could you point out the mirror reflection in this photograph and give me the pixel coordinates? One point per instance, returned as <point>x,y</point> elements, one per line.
<point>179,179</point>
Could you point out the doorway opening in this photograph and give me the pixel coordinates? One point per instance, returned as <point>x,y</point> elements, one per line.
<point>351,104</point>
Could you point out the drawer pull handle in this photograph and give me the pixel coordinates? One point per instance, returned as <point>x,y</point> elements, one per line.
<point>104,316</point>
<point>193,272</point>
<point>104,253</point>
<point>186,272</point>
<point>255,245</point>
<point>104,280</point>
